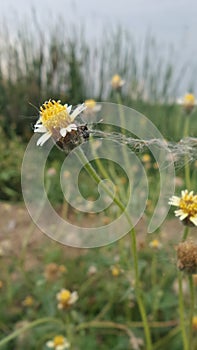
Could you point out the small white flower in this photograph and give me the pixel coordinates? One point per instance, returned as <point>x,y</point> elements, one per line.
<point>56,120</point>
<point>58,343</point>
<point>187,204</point>
<point>65,298</point>
<point>188,102</point>
<point>92,270</point>
<point>117,82</point>
<point>92,106</point>
<point>155,244</point>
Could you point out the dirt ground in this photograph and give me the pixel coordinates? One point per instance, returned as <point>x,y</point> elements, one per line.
<point>15,223</point>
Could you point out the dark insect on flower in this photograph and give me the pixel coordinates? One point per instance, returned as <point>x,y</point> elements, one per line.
<point>73,138</point>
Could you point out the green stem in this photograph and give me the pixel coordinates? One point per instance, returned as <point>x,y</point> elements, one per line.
<point>186,127</point>
<point>97,179</point>
<point>69,328</point>
<point>192,304</point>
<point>154,269</point>
<point>100,165</point>
<point>185,233</point>
<point>121,113</point>
<point>28,326</point>
<point>181,313</point>
<point>103,171</point>
<point>154,283</point>
<point>181,299</point>
<point>138,291</point>
<point>105,324</point>
<point>122,194</point>
<point>122,119</point>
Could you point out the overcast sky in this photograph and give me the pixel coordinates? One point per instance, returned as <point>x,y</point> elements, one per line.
<point>173,22</point>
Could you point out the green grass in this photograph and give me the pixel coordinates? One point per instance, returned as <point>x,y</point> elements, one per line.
<point>103,298</point>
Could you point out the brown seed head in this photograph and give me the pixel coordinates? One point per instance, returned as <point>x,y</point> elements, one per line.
<point>187,257</point>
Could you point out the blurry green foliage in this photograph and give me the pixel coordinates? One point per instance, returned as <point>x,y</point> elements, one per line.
<point>11,155</point>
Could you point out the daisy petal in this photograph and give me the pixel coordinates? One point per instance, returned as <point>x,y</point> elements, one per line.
<point>61,347</point>
<point>174,200</point>
<point>77,111</point>
<point>40,128</point>
<point>63,132</point>
<point>50,344</point>
<point>72,127</point>
<point>69,128</point>
<point>184,216</point>
<point>43,139</point>
<point>179,101</point>
<point>69,109</point>
<point>194,220</point>
<point>97,108</point>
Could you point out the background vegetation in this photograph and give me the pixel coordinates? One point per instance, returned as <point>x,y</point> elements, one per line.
<point>36,65</point>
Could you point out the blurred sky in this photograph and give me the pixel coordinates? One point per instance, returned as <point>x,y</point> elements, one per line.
<point>173,22</point>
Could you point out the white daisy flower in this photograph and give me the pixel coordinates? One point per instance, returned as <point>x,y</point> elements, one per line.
<point>155,244</point>
<point>92,106</point>
<point>117,82</point>
<point>65,298</point>
<point>187,204</point>
<point>58,343</point>
<point>56,120</point>
<point>188,102</point>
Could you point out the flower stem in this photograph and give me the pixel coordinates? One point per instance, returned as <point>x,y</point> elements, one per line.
<point>154,269</point>
<point>181,313</point>
<point>192,304</point>
<point>98,180</point>
<point>185,233</point>
<point>105,324</point>
<point>138,291</point>
<point>122,119</point>
<point>142,309</point>
<point>181,301</point>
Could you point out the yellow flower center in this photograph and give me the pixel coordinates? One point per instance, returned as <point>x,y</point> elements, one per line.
<point>155,243</point>
<point>58,340</point>
<point>115,271</point>
<point>90,103</point>
<point>28,301</point>
<point>189,100</point>
<point>62,268</point>
<point>146,158</point>
<point>188,203</point>
<point>116,80</point>
<point>54,115</point>
<point>65,296</point>
<point>194,322</point>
